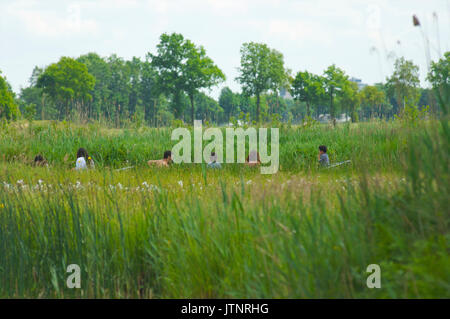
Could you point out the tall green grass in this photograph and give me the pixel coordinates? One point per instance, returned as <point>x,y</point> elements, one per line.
<point>377,145</point>
<point>176,233</point>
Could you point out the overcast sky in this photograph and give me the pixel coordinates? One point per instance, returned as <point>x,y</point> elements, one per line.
<point>361,37</point>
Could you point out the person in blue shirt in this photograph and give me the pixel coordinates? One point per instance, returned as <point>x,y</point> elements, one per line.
<point>323,156</point>
<point>213,161</point>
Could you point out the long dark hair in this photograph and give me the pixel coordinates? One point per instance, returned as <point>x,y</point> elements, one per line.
<point>83,153</point>
<point>39,160</point>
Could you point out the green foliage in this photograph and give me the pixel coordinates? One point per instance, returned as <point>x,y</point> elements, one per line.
<point>372,101</point>
<point>335,80</point>
<point>229,102</point>
<point>30,112</point>
<point>440,80</point>
<point>309,122</point>
<point>404,82</point>
<point>183,67</point>
<point>308,88</point>
<point>412,114</point>
<point>261,69</point>
<point>141,233</point>
<point>68,83</point>
<point>9,110</point>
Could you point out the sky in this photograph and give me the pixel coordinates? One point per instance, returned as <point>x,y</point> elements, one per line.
<point>362,37</point>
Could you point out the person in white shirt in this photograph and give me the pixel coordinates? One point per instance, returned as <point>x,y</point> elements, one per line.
<point>84,161</point>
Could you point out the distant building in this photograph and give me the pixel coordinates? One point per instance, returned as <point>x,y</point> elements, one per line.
<point>358,82</point>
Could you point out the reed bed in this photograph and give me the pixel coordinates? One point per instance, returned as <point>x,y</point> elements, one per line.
<point>187,232</point>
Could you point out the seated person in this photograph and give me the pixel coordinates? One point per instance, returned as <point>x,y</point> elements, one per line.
<point>165,162</point>
<point>323,156</point>
<point>213,161</point>
<point>40,161</point>
<point>253,159</point>
<point>84,161</point>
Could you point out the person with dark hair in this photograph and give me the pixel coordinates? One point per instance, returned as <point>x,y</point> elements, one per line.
<point>323,156</point>
<point>253,159</point>
<point>213,161</point>
<point>165,162</point>
<point>39,160</point>
<point>84,161</point>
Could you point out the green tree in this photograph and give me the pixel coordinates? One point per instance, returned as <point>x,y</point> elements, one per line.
<point>134,67</point>
<point>207,108</point>
<point>68,83</point>
<point>307,87</point>
<point>261,69</point>
<point>372,99</point>
<point>8,106</point>
<point>118,88</point>
<point>33,95</point>
<point>183,67</point>
<point>229,102</point>
<point>334,81</point>
<point>168,64</point>
<point>149,92</point>
<point>351,99</point>
<point>440,81</point>
<point>404,83</point>
<point>199,72</point>
<point>99,68</point>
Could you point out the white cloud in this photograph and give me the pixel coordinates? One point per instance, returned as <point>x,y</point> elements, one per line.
<point>44,22</point>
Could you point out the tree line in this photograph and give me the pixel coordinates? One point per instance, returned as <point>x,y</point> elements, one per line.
<point>170,84</point>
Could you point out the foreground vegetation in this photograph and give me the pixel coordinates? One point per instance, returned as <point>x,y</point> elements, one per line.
<point>194,233</point>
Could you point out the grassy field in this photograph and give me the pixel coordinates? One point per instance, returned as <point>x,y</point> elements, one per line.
<point>188,232</point>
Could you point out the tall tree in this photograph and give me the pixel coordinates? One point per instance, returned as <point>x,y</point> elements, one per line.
<point>350,98</point>
<point>199,72</point>
<point>308,88</point>
<point>67,82</point>
<point>171,52</point>
<point>227,102</point>
<point>440,81</point>
<point>118,88</point>
<point>134,67</point>
<point>261,69</point>
<point>149,92</point>
<point>183,67</point>
<point>33,95</point>
<point>372,99</point>
<point>99,68</point>
<point>404,83</point>
<point>334,80</point>
<point>8,106</point>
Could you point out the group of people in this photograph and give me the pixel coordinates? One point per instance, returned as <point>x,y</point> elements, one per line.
<point>84,161</point>
<point>252,159</point>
